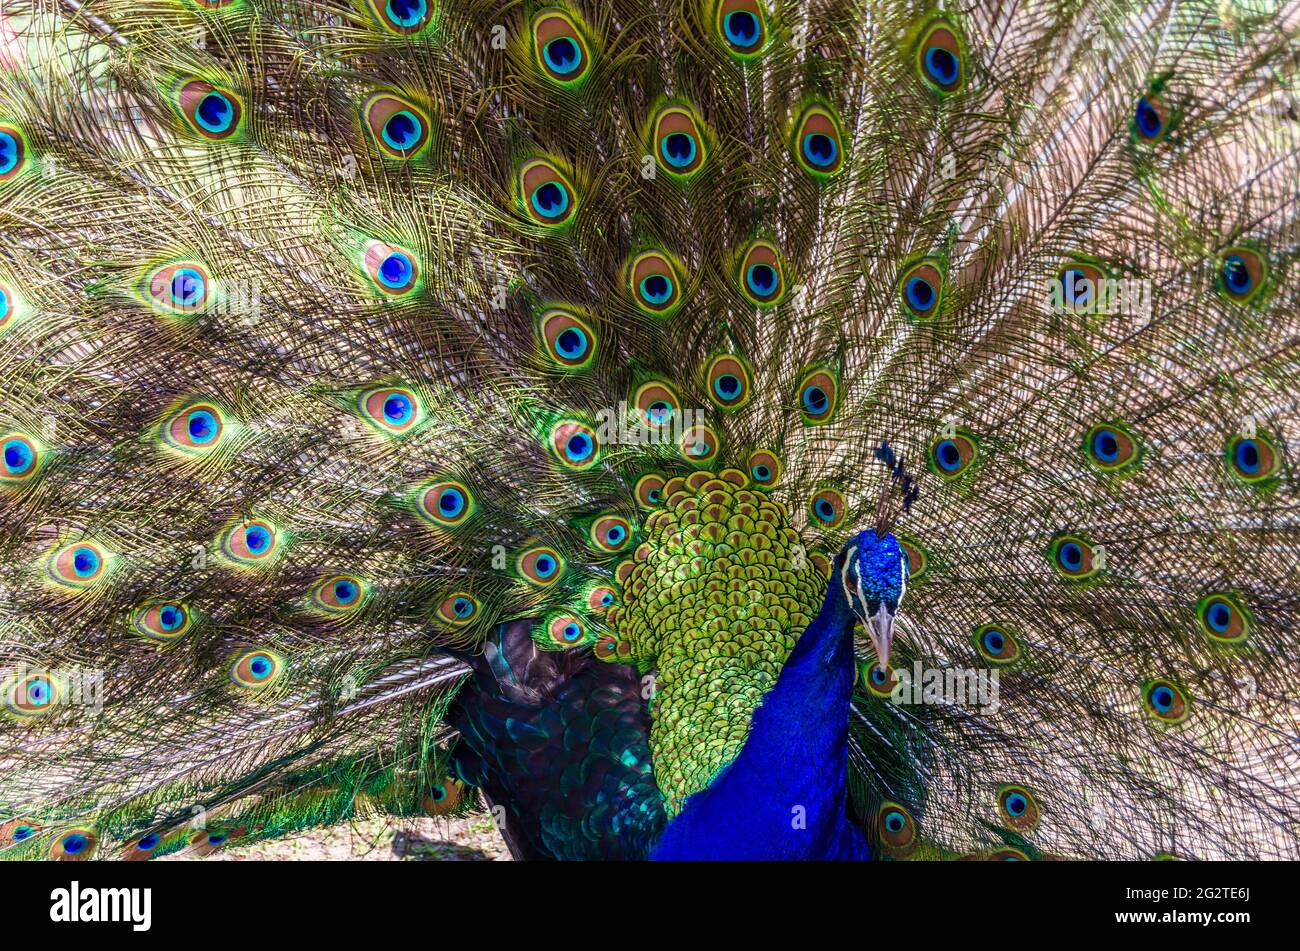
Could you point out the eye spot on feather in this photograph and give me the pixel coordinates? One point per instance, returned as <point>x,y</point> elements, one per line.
<point>611,533</point>
<point>18,830</point>
<point>1150,119</point>
<point>140,849</point>
<point>339,594</point>
<point>678,142</point>
<point>559,49</point>
<point>184,288</point>
<point>1018,807</point>
<point>654,283</point>
<point>761,275</point>
<point>879,681</point>
<point>941,59</point>
<point>256,669</point>
<point>445,504</point>
<point>194,430</point>
<point>818,144</point>
<point>1008,855</point>
<point>1224,619</point>
<point>896,829</point>
<point>568,340</point>
<point>742,27</point>
<point>997,644</point>
<point>21,458</point>
<point>398,127</point>
<point>699,445</point>
<point>920,289</point>
<point>212,112</point>
<point>547,195</point>
<point>650,490</point>
<point>395,271</point>
<point>443,798</point>
<point>574,444</point>
<point>917,559</point>
<point>951,455</point>
<point>13,153</point>
<point>540,566</point>
<point>818,395</point>
<point>601,598</point>
<point>403,17</point>
<point>764,468</point>
<point>1165,701</point>
<point>162,621</point>
<point>32,694</point>
<point>1253,459</point>
<point>1073,557</point>
<point>458,609</point>
<point>74,845</point>
<point>826,508</point>
<point>1111,448</point>
<point>391,410</point>
<point>252,542</point>
<point>728,382</point>
<point>656,403</point>
<point>78,566</point>
<point>566,630</point>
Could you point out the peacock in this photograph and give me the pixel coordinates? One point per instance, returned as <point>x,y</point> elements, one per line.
<point>683,429</point>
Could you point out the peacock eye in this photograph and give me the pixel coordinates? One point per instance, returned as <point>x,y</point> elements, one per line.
<point>742,27</point>
<point>541,566</point>
<point>818,143</point>
<point>404,17</point>
<point>13,152</point>
<point>250,543</point>
<point>650,490</point>
<point>74,845</point>
<point>699,444</point>
<point>21,457</point>
<point>1253,459</point>
<point>181,289</point>
<point>445,504</point>
<point>1018,807</point>
<point>1150,119</point>
<point>954,454</point>
<point>1224,619</point>
<point>1165,701</point>
<point>394,270</point>
<point>559,49</point>
<point>827,508</point>
<point>163,621</point>
<point>566,630</point>
<point>611,533</point>
<point>656,403</point>
<point>1110,447</point>
<point>256,669</point>
<point>997,644</point>
<point>547,195</point>
<point>574,444</point>
<point>761,276</point>
<point>764,468</point>
<point>818,394</point>
<point>458,609</point>
<point>654,283</point>
<point>212,112</point>
<point>729,382</point>
<point>399,128</point>
<point>601,599</point>
<point>1242,274</point>
<point>896,829</point>
<point>678,142</point>
<point>77,566</point>
<point>32,694</point>
<point>1074,558</point>
<point>195,429</point>
<point>339,594</point>
<point>941,59</point>
<point>920,289</point>
<point>392,410</point>
<point>1081,287</point>
<point>569,341</point>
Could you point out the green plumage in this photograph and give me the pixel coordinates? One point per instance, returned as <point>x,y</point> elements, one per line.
<point>328,326</point>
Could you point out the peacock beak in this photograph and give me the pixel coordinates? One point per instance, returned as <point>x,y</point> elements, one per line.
<point>880,627</point>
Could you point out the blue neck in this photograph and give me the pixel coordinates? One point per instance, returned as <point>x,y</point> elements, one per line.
<point>783,796</point>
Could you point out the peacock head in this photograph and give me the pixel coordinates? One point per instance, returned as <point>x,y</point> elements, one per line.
<point>874,577</point>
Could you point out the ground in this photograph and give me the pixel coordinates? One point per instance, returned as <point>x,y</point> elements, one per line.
<point>471,839</point>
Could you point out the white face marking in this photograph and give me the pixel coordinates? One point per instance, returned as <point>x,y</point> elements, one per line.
<point>855,589</point>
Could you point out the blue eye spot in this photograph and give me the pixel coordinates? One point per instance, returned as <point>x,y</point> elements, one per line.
<point>572,343</point>
<point>1078,287</point>
<point>75,844</point>
<point>215,112</point>
<point>678,149</point>
<point>85,562</point>
<point>257,539</point>
<point>1016,804</point>
<point>942,66</point>
<point>606,599</point>
<point>895,822</point>
<point>406,13</point>
<point>578,447</point>
<point>148,842</point>
<point>451,502</point>
<point>260,666</point>
<point>1236,276</point>
<point>216,838</point>
<point>1247,456</point>
<point>171,617</point>
<point>1219,616</point>
<point>761,473</point>
<point>1148,119</point>
<point>202,426</point>
<point>397,408</point>
<point>825,511</point>
<point>655,495</point>
<point>187,287</point>
<point>571,632</point>
<point>18,456</point>
<point>403,129</point>
<point>1105,445</point>
<point>23,832</point>
<point>551,200</point>
<point>656,288</point>
<point>462,607</point>
<point>948,456</point>
<point>994,642</point>
<point>562,55</point>
<point>545,566</point>
<point>820,149</point>
<point>38,692</point>
<point>396,270</point>
<point>761,279</point>
<point>345,592</point>
<point>1162,698</point>
<point>740,28</point>
<point>815,400</point>
<point>616,535</point>
<point>1071,555</point>
<point>8,153</point>
<point>727,386</point>
<point>919,293</point>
